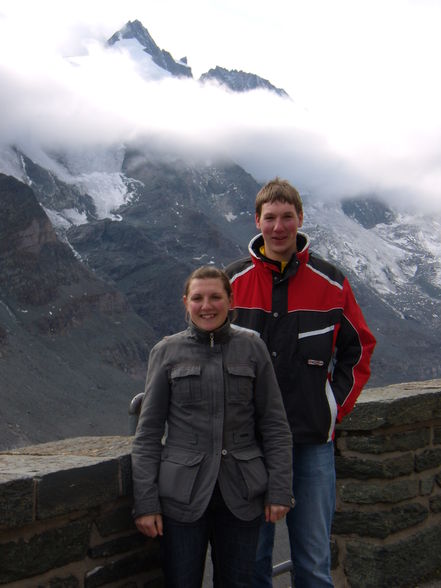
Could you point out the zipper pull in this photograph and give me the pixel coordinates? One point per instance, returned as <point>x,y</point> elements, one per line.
<point>211,339</point>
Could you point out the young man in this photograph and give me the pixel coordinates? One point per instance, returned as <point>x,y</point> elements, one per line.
<point>305,311</point>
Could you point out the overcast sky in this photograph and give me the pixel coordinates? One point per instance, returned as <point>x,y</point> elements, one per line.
<point>363,77</point>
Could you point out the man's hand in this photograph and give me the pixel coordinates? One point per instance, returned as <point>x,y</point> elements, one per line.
<point>275,512</point>
<point>150,525</point>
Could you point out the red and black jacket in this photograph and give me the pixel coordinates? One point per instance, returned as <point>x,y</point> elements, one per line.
<point>315,332</point>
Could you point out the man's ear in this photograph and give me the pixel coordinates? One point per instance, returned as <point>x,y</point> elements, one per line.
<point>257,218</point>
<point>300,219</point>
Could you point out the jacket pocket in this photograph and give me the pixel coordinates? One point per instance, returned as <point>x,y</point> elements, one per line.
<point>240,383</point>
<point>252,471</point>
<point>177,475</point>
<point>186,384</point>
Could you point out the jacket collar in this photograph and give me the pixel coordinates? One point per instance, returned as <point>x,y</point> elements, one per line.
<point>301,255</point>
<point>220,335</point>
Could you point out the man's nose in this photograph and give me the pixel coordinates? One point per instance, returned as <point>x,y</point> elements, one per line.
<point>278,225</point>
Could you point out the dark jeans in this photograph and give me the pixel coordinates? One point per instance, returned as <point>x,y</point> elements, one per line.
<point>233,548</point>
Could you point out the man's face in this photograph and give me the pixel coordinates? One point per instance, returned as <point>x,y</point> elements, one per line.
<point>279,223</point>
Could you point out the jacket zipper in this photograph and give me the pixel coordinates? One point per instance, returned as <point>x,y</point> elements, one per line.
<point>211,339</point>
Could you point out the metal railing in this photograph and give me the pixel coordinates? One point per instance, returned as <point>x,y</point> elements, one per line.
<point>283,568</point>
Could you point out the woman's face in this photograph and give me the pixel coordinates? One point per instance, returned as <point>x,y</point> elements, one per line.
<point>207,303</point>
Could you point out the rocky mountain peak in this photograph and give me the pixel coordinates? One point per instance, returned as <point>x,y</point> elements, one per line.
<point>368,211</point>
<point>136,30</point>
<point>240,81</point>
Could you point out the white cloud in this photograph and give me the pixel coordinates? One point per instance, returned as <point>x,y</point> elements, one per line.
<point>363,77</point>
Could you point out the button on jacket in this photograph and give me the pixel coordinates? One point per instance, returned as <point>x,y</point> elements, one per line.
<point>212,411</point>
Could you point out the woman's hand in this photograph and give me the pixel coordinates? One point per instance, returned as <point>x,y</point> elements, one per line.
<point>150,525</point>
<point>275,512</point>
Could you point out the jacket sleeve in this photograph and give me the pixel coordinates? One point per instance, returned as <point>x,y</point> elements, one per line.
<point>273,430</point>
<point>147,446</point>
<point>354,345</point>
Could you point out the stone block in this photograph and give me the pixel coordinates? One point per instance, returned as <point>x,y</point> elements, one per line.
<point>117,521</point>
<point>401,564</point>
<point>45,551</point>
<point>428,459</point>
<point>377,444</point>
<point>379,524</point>
<point>398,404</point>
<point>334,554</point>
<point>437,435</point>
<point>77,488</point>
<point>125,464</point>
<point>16,502</point>
<point>370,493</point>
<point>147,560</point>
<point>68,582</point>
<point>362,468</point>
<point>427,485</point>
<point>435,503</point>
<point>118,545</point>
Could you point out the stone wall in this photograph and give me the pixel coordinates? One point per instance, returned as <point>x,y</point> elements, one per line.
<point>65,518</point>
<point>387,528</point>
<point>65,507</point>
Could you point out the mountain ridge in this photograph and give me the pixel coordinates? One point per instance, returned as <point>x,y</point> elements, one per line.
<point>95,245</point>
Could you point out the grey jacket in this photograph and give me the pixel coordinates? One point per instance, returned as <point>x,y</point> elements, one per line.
<point>218,395</point>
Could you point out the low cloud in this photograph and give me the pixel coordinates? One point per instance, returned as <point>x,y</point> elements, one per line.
<point>103,98</point>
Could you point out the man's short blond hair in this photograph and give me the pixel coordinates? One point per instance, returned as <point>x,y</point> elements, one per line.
<point>278,190</point>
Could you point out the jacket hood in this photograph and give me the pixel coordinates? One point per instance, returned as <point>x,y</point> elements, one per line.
<point>301,255</point>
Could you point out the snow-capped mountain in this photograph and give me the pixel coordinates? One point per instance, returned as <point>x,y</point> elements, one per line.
<point>134,37</point>
<point>129,222</point>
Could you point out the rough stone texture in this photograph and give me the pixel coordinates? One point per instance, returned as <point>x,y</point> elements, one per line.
<point>435,503</point>
<point>362,468</point>
<point>427,485</point>
<point>398,404</point>
<point>50,549</point>
<point>68,582</point>
<point>371,493</point>
<point>116,570</point>
<point>16,502</point>
<point>371,566</point>
<point>117,521</point>
<point>377,444</point>
<point>381,523</point>
<point>428,459</point>
<point>78,488</point>
<point>119,545</point>
<point>79,446</point>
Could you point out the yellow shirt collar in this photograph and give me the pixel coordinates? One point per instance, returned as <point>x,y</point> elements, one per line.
<point>283,264</point>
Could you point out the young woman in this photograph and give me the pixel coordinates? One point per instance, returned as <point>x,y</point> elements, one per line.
<point>212,450</point>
